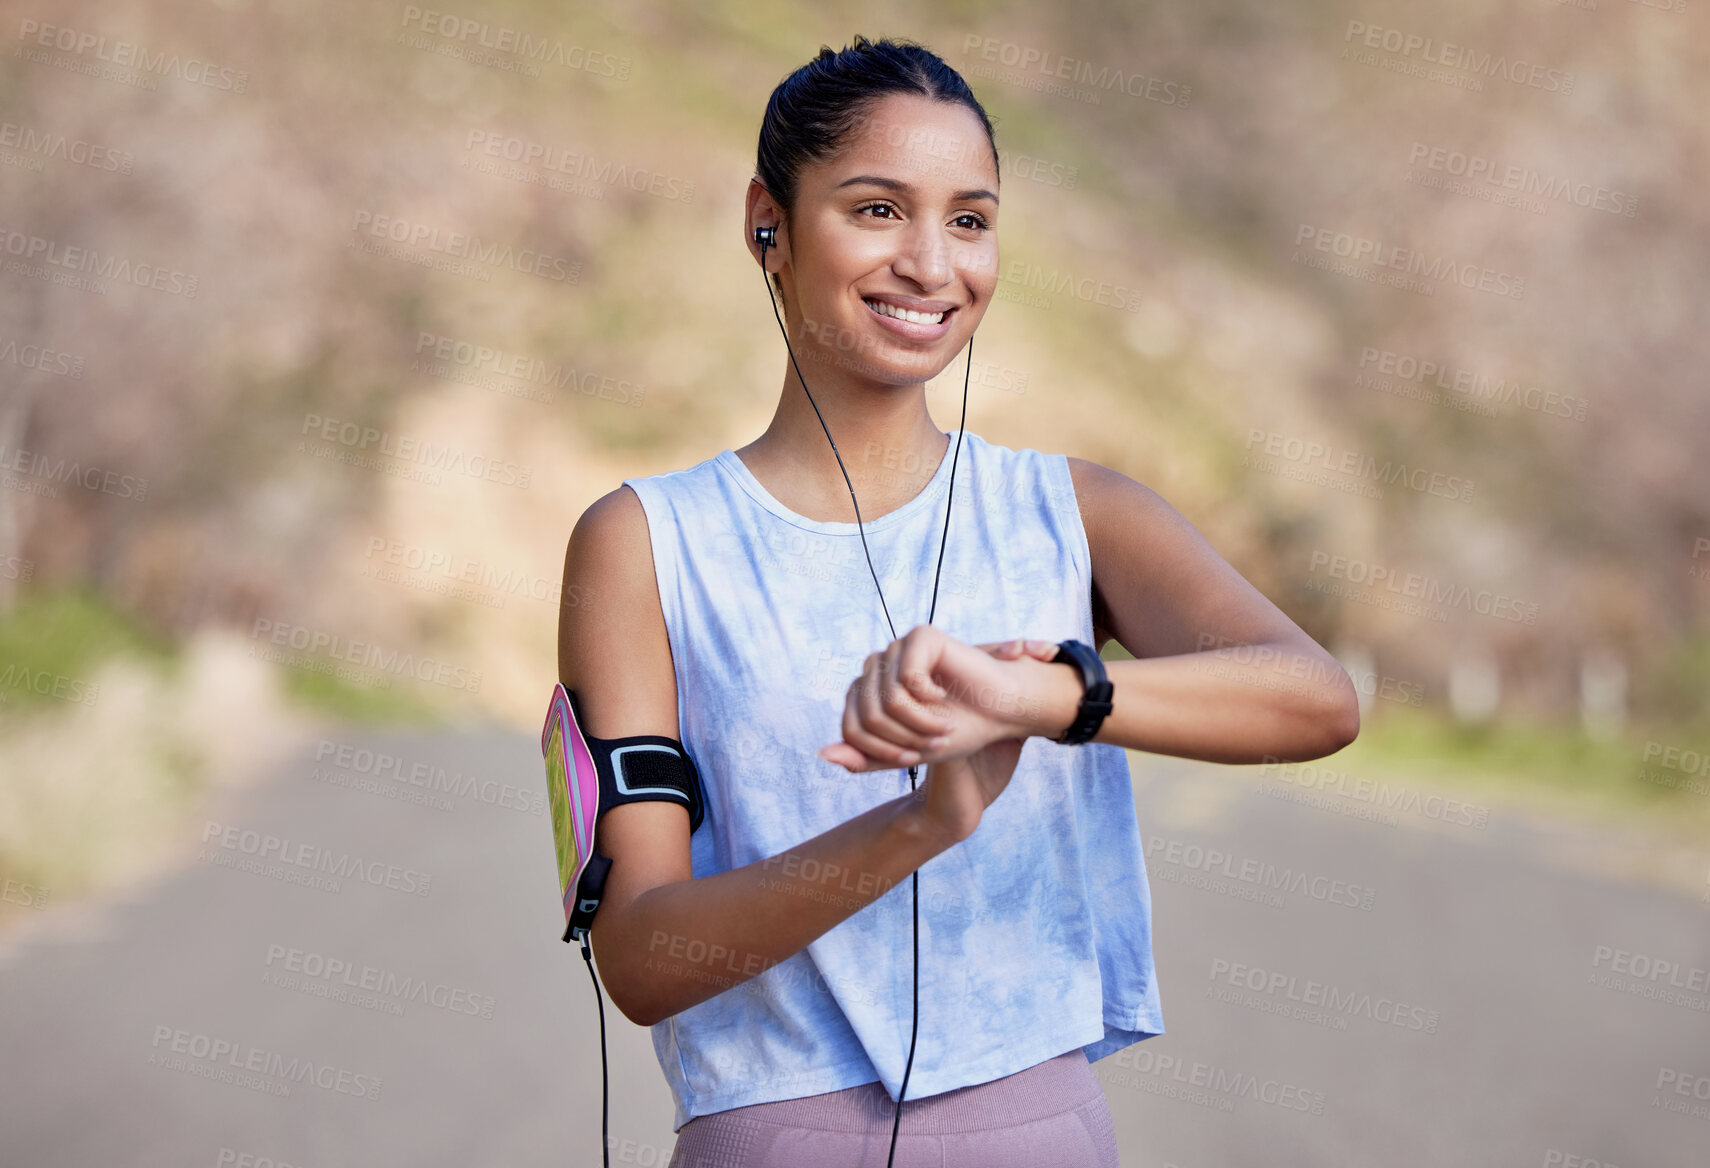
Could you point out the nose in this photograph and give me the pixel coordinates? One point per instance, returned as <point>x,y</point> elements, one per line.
<point>925,258</point>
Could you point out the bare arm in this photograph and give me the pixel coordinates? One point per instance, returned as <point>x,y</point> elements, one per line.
<point>1221,673</point>
<point>665,940</point>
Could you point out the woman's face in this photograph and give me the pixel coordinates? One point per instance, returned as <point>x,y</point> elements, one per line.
<point>902,219</point>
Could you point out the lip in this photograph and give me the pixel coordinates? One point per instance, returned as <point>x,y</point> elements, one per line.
<point>913,303</point>
<point>909,329</point>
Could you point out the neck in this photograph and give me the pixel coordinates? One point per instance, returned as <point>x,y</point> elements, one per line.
<point>889,444</point>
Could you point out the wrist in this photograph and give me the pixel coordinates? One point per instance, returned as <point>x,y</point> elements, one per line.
<point>924,835</point>
<point>1057,699</point>
<point>1097,692</point>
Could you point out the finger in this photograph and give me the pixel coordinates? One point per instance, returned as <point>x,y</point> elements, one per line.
<point>910,697</point>
<point>884,705</point>
<point>1021,646</point>
<point>855,760</point>
<point>922,649</point>
<point>846,756</point>
<point>857,733</point>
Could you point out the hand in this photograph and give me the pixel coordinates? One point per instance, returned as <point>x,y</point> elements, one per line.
<point>928,695</point>
<point>957,791</point>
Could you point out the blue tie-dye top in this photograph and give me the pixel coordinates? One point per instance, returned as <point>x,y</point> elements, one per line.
<point>1036,931</point>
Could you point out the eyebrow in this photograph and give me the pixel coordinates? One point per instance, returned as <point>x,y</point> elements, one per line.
<point>891,184</point>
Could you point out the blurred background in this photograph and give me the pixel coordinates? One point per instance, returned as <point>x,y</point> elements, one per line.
<point>321,324</point>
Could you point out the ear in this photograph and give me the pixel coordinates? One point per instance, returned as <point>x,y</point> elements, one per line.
<point>763,211</point>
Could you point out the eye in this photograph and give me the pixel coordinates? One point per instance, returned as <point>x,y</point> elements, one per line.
<point>969,219</point>
<point>872,206</point>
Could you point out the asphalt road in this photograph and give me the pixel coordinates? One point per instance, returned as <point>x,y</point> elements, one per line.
<point>1338,989</point>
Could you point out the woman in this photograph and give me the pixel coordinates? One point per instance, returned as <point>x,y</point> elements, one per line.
<point>731,606</point>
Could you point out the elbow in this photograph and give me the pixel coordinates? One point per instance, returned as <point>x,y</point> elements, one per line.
<point>634,1003</point>
<point>651,1012</point>
<point>627,988</point>
<point>645,1018</point>
<point>1346,725</point>
<point>1339,721</point>
<point>1329,724</point>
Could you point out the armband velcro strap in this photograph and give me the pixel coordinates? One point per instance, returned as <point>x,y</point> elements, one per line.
<point>644,767</point>
<point>588,776</point>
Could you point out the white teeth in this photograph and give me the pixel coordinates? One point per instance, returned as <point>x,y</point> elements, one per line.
<point>884,309</point>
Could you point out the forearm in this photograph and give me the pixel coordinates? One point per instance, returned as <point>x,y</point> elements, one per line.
<point>679,944</point>
<point>1242,704</point>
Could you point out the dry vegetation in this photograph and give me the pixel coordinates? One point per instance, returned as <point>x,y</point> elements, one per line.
<point>1196,205</point>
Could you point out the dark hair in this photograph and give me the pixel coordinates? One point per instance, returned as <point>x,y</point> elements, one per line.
<point>814,109</point>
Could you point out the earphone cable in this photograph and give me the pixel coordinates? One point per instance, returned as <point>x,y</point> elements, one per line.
<point>914,877</point>
<point>605,1092</point>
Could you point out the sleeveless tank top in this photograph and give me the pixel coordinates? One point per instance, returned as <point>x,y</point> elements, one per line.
<point>1035,931</point>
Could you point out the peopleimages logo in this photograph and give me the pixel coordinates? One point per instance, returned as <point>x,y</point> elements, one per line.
<point>73,473</point>
<point>468,36</point>
<point>363,653</point>
<point>48,685</point>
<point>1024,277</point>
<point>129,54</point>
<point>1213,1078</point>
<point>1272,445</point>
<point>441,356</point>
<point>42,360</point>
<point>397,770</point>
<point>464,246</point>
<point>77,151</point>
<point>578,165</point>
<point>91,265</point>
<point>1052,68</point>
<point>319,975</point>
<point>1428,589</point>
<point>264,846</point>
<point>241,1057</point>
<point>1523,179</point>
<point>1379,793</point>
<point>1259,875</point>
<point>1643,967</point>
<point>1425,50</point>
<point>1465,383</point>
<point>1405,262</point>
<point>365,445</point>
<point>1324,995</point>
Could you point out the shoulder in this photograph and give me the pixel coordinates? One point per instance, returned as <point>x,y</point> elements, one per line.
<point>1104,497</point>
<point>1107,496</point>
<point>681,478</point>
<point>608,564</point>
<point>616,524</point>
<point>610,612</point>
<point>613,545</point>
<point>1131,531</point>
<point>1095,480</point>
<point>612,524</point>
<point>1015,466</point>
<point>621,515</point>
<point>1088,475</point>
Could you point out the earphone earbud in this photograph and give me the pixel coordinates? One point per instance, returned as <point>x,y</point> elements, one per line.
<point>766,237</point>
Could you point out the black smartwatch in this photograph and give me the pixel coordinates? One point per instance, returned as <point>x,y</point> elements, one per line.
<point>1095,702</point>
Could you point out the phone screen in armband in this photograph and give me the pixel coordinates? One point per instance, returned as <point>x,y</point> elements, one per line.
<point>573,789</point>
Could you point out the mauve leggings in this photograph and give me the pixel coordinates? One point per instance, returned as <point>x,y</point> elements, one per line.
<point>1053,1115</point>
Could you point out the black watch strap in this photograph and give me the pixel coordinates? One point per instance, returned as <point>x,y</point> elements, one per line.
<point>1096,701</point>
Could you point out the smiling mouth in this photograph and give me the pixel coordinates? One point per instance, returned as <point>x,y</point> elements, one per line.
<point>904,314</point>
